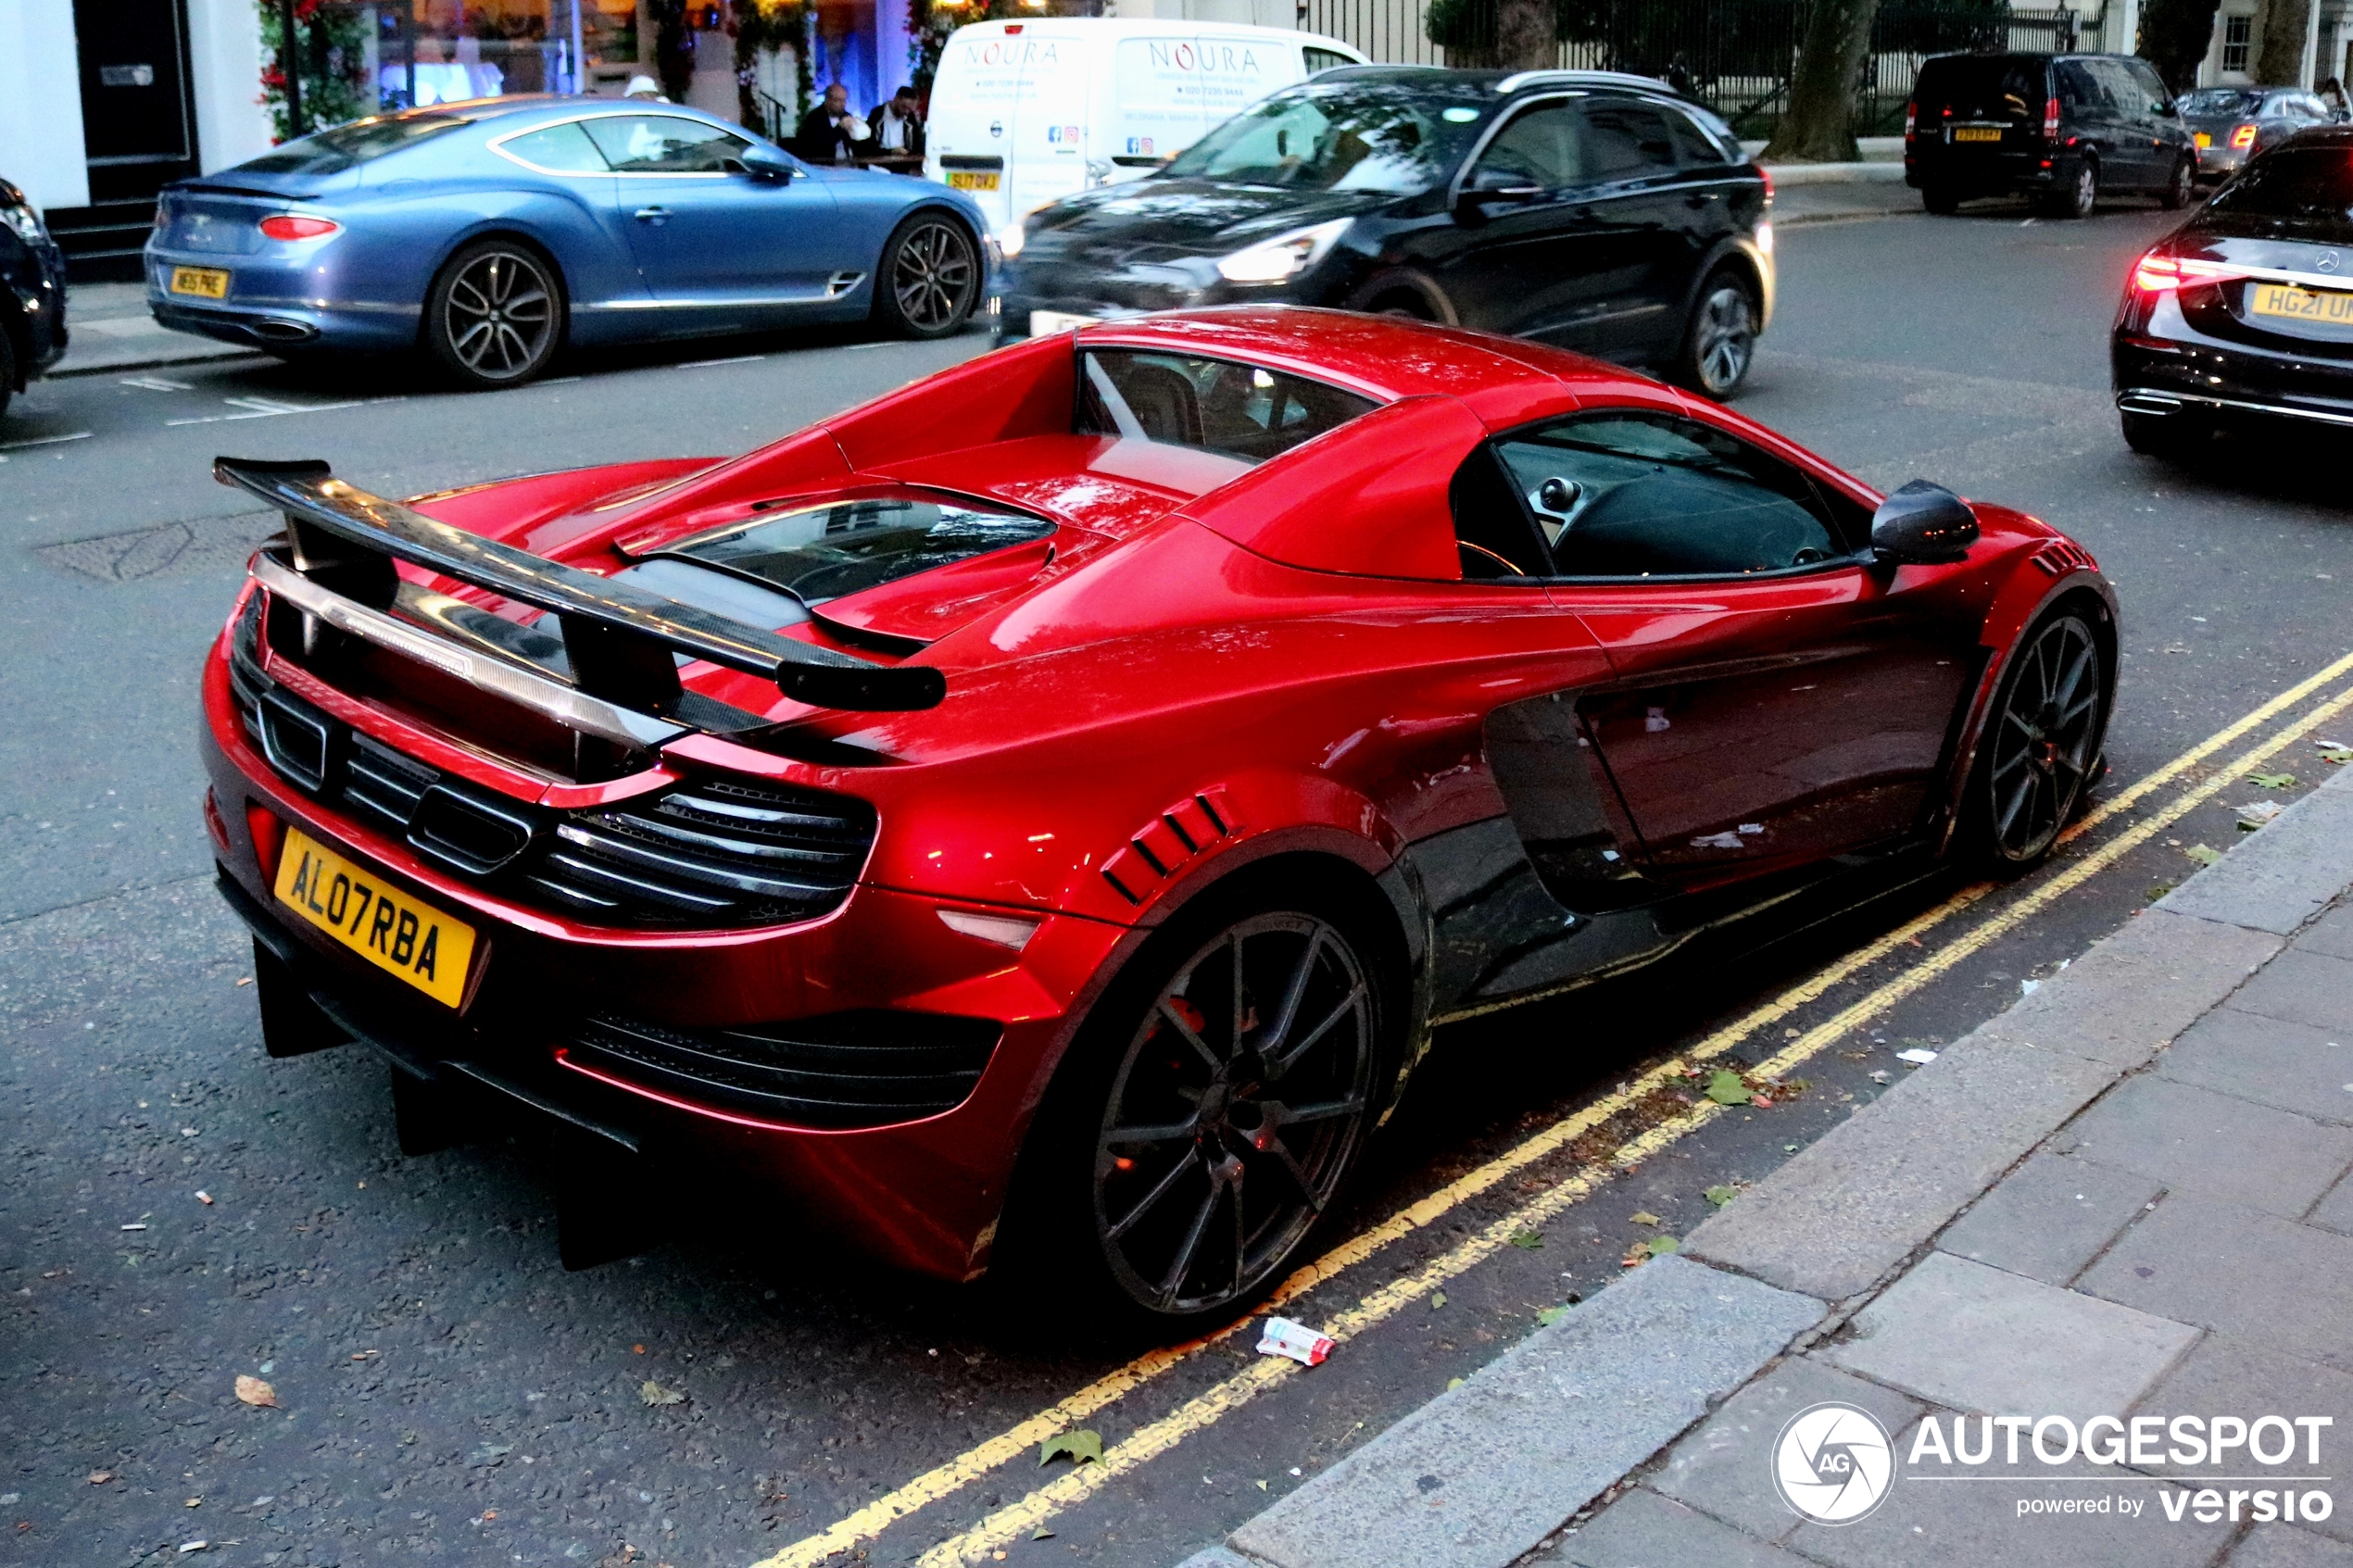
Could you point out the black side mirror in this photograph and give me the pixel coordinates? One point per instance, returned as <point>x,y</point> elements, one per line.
<point>1923,524</point>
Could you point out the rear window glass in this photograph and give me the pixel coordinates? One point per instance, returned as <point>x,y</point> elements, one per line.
<point>827,552</point>
<point>348,146</point>
<point>2304,188</point>
<point>1981,87</point>
<point>1220,406</point>
<point>2220,101</point>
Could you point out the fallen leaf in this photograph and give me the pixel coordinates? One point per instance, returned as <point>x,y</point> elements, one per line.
<point>1644,1217</point>
<point>1042,1534</point>
<point>1726,1088</point>
<point>1882,1076</point>
<point>1437,1299</point>
<point>1260,1484</point>
<point>1454,1383</point>
<point>488,1454</point>
<point>253,1391</point>
<point>2204,855</point>
<point>655,1394</point>
<point>2272,781</point>
<point>1528,1241</point>
<point>1720,1196</point>
<point>1789,1148</point>
<point>1636,1256</point>
<point>1550,1316</point>
<point>100,1477</point>
<point>1661,1246</point>
<point>2336,754</point>
<point>1084,1446</point>
<point>2257,814</point>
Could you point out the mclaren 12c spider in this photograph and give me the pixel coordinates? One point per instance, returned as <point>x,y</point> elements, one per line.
<point>1038,817</point>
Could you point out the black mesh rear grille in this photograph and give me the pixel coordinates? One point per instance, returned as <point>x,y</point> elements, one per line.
<point>710,853</point>
<point>861,1069</point>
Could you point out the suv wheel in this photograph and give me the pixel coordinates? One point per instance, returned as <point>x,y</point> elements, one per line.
<point>2182,189</point>
<point>1940,199</point>
<point>1720,342</point>
<point>2078,194</point>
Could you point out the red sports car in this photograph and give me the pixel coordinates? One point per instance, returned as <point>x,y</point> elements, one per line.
<point>1042,814</point>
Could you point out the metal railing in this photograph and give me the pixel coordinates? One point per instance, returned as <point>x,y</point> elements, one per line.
<point>1735,56</point>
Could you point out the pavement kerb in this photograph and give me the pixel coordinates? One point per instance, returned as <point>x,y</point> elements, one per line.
<point>1431,1490</point>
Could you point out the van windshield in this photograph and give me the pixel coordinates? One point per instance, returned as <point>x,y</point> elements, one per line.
<point>2005,87</point>
<point>1342,137</point>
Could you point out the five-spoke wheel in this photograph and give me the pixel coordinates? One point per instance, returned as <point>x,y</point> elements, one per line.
<point>2043,742</point>
<point>930,278</point>
<point>1720,342</point>
<point>496,315</point>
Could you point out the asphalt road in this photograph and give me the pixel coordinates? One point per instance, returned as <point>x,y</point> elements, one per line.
<point>446,1391</point>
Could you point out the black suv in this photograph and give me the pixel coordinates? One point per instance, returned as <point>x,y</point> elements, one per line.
<point>32,294</point>
<point>2062,127</point>
<point>1590,210</point>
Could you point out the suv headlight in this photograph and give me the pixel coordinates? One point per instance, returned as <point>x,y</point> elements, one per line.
<point>20,217</point>
<point>1285,256</point>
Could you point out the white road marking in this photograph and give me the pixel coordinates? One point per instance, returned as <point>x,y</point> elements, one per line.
<point>157,384</point>
<point>267,409</point>
<point>706,364</point>
<point>43,441</point>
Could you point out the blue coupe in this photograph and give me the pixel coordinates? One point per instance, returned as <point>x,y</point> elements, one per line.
<point>491,233</point>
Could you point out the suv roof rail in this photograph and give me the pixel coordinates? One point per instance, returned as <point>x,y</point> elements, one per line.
<point>1518,80</point>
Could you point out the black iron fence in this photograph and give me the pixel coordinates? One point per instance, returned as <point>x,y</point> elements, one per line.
<point>1736,56</point>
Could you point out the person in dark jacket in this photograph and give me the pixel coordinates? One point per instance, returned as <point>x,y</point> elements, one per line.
<point>830,133</point>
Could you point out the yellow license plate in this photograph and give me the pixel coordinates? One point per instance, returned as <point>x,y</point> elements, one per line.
<point>207,283</point>
<point>970,180</point>
<point>398,934</point>
<point>2205,140</point>
<point>1977,134</point>
<point>2329,307</point>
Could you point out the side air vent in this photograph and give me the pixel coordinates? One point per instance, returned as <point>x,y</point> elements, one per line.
<point>863,1069</point>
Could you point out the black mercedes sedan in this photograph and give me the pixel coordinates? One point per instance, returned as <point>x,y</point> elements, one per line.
<point>1595,211</point>
<point>2245,312</point>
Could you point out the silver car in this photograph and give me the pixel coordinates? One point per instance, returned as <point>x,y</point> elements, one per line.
<point>2232,124</point>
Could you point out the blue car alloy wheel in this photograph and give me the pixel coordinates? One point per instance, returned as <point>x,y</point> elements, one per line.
<point>931,272</point>
<point>495,316</point>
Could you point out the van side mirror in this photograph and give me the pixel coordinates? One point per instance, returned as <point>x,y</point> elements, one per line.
<point>1923,524</point>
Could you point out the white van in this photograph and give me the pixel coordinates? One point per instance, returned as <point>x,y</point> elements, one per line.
<point>1023,113</point>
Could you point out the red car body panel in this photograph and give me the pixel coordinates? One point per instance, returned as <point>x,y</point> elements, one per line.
<point>1208,665</point>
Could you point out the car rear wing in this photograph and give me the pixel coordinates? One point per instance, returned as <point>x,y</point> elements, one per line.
<point>618,640</point>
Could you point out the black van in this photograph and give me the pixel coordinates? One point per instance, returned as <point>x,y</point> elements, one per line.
<point>2066,128</point>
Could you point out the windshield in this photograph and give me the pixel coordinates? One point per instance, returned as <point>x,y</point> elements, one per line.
<point>1343,136</point>
<point>2222,101</point>
<point>2306,188</point>
<point>1981,87</point>
<point>348,146</point>
<point>828,552</point>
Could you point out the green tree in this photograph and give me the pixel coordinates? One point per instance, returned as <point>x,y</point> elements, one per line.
<point>1817,125</point>
<point>2174,38</point>
<point>328,48</point>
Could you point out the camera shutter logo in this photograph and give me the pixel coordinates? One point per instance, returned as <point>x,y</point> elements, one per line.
<point>1834,1464</point>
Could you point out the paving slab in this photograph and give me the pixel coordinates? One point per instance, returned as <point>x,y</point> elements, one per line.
<point>2049,1218</point>
<point>1725,1467</point>
<point>2335,1211</point>
<point>2227,1375</point>
<point>2285,1546</point>
<point>1855,1203</point>
<point>1216,1557</point>
<point>1481,1475</point>
<point>2275,1284</point>
<point>2193,1139</point>
<point>2283,876</point>
<point>1974,1338</point>
<point>2303,988</point>
<point>2135,990</point>
<point>2332,933</point>
<point>2293,1066</point>
<point>1926,1524</point>
<point>1643,1530</point>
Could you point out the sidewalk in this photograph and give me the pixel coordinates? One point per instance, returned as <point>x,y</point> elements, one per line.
<point>2126,1198</point>
<point>111,330</point>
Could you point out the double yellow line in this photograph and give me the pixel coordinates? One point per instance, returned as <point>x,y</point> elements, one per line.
<point>1150,1441</point>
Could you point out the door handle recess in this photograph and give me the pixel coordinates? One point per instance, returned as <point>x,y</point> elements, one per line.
<point>652,214</point>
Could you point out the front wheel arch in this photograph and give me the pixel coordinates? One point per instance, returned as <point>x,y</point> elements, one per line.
<point>1397,282</point>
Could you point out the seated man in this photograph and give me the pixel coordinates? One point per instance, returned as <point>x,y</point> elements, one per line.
<point>830,133</point>
<point>897,128</point>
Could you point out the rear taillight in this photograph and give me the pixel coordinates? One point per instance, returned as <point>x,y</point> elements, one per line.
<point>291,226</point>
<point>2243,137</point>
<point>1769,183</point>
<point>2156,272</point>
<point>1911,119</point>
<point>2050,117</point>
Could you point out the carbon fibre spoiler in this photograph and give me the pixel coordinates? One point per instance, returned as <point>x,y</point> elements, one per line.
<point>618,639</point>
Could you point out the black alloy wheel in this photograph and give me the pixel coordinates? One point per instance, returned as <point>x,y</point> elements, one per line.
<point>1244,1094</point>
<point>930,278</point>
<point>2042,742</point>
<point>1943,200</point>
<point>1720,344</point>
<point>2182,189</point>
<point>496,315</point>
<point>2078,192</point>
